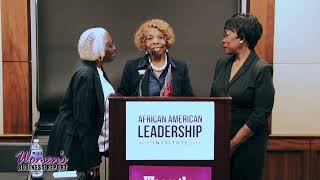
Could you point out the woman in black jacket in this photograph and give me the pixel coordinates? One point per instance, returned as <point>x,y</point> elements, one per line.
<point>248,80</point>
<point>81,129</point>
<point>156,73</point>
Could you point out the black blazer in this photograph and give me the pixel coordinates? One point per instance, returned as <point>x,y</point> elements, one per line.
<point>78,125</point>
<point>251,90</point>
<point>131,77</point>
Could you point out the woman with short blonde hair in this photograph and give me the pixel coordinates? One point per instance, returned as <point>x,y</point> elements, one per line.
<point>156,73</point>
<point>159,24</point>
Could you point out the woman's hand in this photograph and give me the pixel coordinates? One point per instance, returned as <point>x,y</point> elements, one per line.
<point>233,147</point>
<point>242,135</point>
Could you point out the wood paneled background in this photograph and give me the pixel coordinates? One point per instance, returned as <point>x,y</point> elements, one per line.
<point>16,66</point>
<point>293,158</point>
<point>315,159</point>
<point>264,10</point>
<point>16,97</point>
<point>15,30</point>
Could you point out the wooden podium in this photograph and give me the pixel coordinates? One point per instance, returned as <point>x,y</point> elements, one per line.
<point>119,166</point>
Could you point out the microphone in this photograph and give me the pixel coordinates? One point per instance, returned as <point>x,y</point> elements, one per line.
<point>139,89</point>
<point>154,54</point>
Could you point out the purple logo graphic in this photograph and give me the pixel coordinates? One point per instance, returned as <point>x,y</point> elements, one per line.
<point>169,173</point>
<point>35,162</point>
<point>25,157</point>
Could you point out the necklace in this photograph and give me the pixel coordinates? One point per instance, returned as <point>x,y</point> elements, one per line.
<point>158,69</point>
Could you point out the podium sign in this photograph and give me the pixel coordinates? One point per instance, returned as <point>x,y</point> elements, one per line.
<point>169,172</point>
<point>169,130</point>
<point>179,138</point>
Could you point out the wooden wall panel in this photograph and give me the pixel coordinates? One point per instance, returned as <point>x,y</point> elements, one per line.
<point>315,159</point>
<point>288,144</point>
<point>16,97</point>
<point>14,138</point>
<point>15,30</point>
<point>287,165</point>
<point>293,158</point>
<point>288,159</point>
<point>264,10</point>
<point>16,67</point>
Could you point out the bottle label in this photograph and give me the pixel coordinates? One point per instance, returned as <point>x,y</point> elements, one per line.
<point>36,153</point>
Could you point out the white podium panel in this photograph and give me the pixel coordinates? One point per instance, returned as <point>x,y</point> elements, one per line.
<point>160,130</point>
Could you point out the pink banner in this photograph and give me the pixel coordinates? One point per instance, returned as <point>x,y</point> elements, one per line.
<point>169,173</point>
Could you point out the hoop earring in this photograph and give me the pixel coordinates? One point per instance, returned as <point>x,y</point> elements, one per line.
<point>100,59</point>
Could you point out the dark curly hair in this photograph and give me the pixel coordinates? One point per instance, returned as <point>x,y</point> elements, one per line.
<point>246,26</point>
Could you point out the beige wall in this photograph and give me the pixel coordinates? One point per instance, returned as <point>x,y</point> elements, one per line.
<point>296,67</point>
<point>33,26</point>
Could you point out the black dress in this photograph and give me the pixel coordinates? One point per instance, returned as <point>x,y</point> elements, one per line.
<point>252,95</point>
<point>78,125</point>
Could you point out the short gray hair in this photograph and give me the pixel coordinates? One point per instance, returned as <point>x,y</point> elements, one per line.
<point>92,44</point>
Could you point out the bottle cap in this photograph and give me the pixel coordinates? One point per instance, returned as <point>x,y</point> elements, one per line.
<point>36,140</point>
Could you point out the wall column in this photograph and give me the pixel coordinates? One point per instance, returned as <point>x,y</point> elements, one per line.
<point>16,67</point>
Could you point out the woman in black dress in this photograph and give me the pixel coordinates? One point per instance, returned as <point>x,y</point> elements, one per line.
<point>248,80</point>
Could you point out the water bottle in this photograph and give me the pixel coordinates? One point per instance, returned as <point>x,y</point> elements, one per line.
<point>36,152</point>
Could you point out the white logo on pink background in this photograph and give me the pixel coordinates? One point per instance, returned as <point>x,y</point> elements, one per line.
<point>149,178</point>
<point>154,178</point>
<point>169,173</point>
